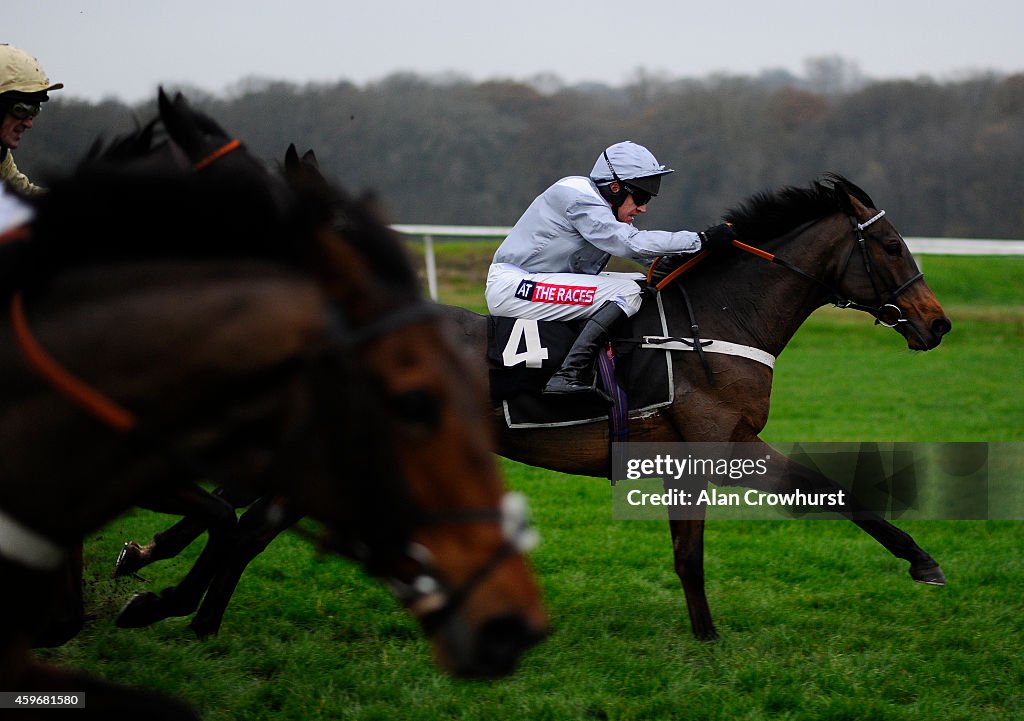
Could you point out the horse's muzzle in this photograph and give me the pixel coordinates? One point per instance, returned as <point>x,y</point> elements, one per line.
<point>925,337</point>
<point>499,644</point>
<point>941,326</point>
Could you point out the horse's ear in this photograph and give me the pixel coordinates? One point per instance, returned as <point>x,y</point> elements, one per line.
<point>842,195</point>
<point>181,127</point>
<point>162,100</point>
<point>291,157</point>
<point>309,158</point>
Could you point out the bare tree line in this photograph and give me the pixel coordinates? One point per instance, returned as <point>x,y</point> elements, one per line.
<point>944,158</point>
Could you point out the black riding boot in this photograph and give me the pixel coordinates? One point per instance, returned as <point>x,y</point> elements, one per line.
<point>577,372</point>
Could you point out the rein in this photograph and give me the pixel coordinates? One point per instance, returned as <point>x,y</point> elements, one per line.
<point>80,393</point>
<point>217,154</point>
<point>880,312</point>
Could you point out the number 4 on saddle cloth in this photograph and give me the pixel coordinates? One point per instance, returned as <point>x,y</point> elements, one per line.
<point>523,353</point>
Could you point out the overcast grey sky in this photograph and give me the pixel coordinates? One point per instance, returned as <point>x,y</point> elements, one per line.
<point>125,48</point>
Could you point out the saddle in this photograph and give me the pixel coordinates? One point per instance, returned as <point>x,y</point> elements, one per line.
<point>523,353</point>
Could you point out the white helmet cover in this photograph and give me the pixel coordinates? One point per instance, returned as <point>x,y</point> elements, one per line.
<point>626,161</point>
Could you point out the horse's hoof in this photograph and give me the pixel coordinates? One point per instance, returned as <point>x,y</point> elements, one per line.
<point>706,635</point>
<point>931,575</point>
<point>129,560</point>
<point>142,609</point>
<point>203,630</point>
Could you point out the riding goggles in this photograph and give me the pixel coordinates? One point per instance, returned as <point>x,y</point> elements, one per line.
<point>640,197</point>
<point>24,110</point>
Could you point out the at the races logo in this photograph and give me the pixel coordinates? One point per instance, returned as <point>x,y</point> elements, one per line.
<point>556,294</point>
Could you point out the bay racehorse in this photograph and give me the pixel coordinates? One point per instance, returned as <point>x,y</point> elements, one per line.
<point>182,315</point>
<point>827,243</point>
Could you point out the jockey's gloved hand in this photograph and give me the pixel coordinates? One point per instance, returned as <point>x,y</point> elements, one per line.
<point>717,237</point>
<point>646,291</point>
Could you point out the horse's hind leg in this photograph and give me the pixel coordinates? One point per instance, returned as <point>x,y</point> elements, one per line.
<point>197,509</point>
<point>787,476</point>
<point>165,544</point>
<point>923,568</point>
<point>688,552</point>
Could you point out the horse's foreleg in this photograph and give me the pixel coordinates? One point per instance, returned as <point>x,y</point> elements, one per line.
<point>146,608</point>
<point>255,532</point>
<point>688,551</point>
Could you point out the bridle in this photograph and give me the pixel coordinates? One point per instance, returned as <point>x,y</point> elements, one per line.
<point>427,588</point>
<point>428,595</point>
<point>882,312</point>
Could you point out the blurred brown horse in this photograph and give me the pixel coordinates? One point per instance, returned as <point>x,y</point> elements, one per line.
<point>827,243</point>
<point>169,326</point>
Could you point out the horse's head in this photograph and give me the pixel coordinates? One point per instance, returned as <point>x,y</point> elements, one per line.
<point>426,508</point>
<point>878,273</point>
<point>211,150</point>
<point>847,252</point>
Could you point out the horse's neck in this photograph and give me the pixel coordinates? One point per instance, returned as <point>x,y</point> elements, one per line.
<point>191,348</point>
<point>755,302</point>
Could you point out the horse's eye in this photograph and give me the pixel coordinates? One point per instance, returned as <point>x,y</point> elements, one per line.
<point>419,406</point>
<point>894,248</point>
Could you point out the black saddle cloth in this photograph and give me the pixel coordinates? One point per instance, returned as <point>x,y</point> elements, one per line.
<point>645,376</point>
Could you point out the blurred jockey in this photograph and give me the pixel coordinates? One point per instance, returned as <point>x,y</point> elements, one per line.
<point>23,89</point>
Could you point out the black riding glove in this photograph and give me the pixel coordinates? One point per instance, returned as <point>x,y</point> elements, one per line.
<point>717,237</point>
<point>646,291</point>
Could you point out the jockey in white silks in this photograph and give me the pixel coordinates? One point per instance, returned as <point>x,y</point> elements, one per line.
<point>550,266</point>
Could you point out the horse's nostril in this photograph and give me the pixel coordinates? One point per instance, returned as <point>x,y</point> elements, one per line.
<point>941,326</point>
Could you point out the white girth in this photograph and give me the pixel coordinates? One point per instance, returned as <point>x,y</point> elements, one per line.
<point>709,346</point>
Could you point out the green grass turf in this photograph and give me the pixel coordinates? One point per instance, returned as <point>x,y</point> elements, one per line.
<point>817,620</point>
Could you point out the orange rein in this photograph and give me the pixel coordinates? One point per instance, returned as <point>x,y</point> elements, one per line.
<point>698,258</point>
<point>62,380</point>
<point>218,154</point>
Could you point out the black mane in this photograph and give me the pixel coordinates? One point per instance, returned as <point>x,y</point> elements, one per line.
<point>771,214</point>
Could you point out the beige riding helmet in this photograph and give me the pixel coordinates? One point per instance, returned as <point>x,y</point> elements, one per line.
<point>20,72</point>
